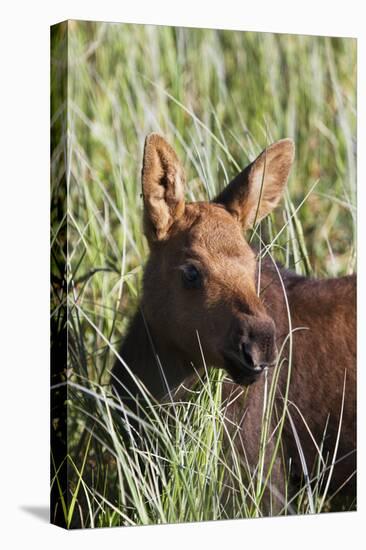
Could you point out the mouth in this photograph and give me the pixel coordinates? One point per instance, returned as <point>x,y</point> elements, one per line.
<point>241,368</point>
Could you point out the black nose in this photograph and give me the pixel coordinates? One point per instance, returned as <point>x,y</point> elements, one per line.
<point>246,355</point>
<point>249,361</point>
<point>258,345</point>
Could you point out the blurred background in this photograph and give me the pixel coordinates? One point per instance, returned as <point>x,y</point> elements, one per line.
<point>219,97</point>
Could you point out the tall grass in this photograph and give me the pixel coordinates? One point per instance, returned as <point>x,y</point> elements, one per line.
<point>219,97</point>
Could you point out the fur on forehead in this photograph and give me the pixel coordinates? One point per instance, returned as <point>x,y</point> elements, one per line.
<point>212,228</point>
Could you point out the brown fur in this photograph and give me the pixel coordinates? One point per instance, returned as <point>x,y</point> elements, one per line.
<point>239,330</point>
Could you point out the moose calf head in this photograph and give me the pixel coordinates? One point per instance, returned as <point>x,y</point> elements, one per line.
<point>199,283</point>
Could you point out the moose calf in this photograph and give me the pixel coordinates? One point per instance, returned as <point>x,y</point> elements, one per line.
<point>202,277</point>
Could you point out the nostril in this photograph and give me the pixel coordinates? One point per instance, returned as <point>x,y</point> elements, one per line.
<point>246,355</point>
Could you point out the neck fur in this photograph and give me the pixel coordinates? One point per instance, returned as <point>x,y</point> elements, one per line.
<point>160,369</point>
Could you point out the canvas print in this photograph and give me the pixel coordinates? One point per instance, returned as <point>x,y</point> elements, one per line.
<point>203,260</point>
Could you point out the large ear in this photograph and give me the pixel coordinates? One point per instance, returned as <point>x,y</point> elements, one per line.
<point>257,190</point>
<point>162,187</point>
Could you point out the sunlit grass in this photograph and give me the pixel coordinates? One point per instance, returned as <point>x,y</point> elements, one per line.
<point>219,97</point>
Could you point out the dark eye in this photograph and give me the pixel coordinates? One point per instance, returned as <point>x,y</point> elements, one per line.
<point>191,276</point>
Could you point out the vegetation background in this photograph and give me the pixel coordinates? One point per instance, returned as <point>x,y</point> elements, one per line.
<point>219,97</point>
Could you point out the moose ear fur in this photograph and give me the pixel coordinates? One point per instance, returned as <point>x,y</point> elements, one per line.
<point>162,187</point>
<point>257,190</point>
